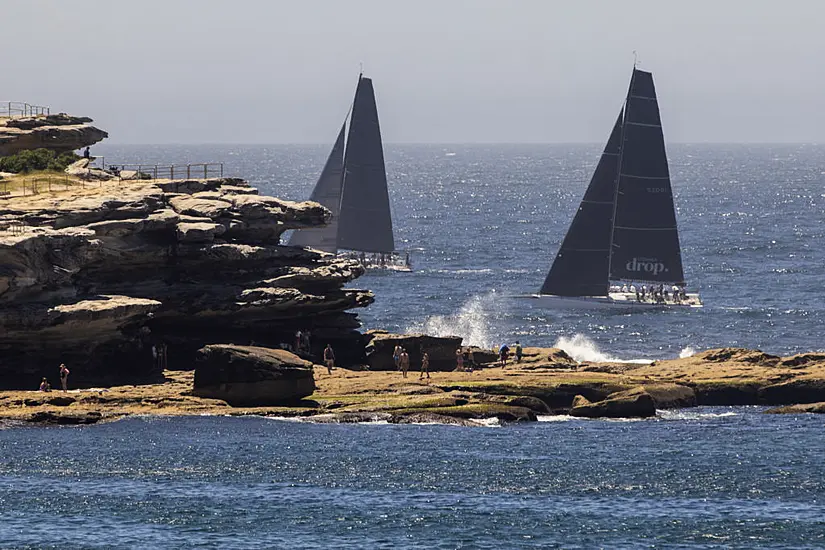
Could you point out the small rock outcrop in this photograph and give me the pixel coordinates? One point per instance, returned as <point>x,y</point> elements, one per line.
<point>248,376</point>
<point>441,350</point>
<point>96,278</point>
<point>634,403</point>
<point>58,133</point>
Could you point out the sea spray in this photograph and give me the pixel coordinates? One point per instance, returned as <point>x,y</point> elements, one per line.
<point>688,351</point>
<point>581,348</point>
<point>471,322</point>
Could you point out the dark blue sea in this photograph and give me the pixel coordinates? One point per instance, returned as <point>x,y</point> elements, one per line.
<point>703,478</point>
<point>483,224</point>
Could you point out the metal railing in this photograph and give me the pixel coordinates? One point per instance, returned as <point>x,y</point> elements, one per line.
<point>167,171</point>
<point>35,185</point>
<point>18,108</point>
<point>22,186</point>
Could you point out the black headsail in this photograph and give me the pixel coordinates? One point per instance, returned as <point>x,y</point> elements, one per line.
<point>581,265</point>
<point>365,222</point>
<point>645,243</point>
<point>327,192</point>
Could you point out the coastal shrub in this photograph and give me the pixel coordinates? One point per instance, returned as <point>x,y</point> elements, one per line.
<point>36,159</point>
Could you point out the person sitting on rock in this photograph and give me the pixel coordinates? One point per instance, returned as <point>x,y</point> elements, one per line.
<point>44,385</point>
<point>329,358</point>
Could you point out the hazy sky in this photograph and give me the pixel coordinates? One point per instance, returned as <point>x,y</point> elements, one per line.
<point>273,71</point>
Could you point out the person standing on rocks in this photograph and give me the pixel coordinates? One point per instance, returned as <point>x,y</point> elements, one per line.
<point>64,376</point>
<point>459,360</point>
<point>405,362</point>
<point>503,353</point>
<point>519,352</point>
<point>329,358</point>
<point>425,365</point>
<point>307,345</point>
<point>396,356</point>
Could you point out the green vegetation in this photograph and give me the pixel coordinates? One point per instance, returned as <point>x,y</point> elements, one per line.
<point>36,159</point>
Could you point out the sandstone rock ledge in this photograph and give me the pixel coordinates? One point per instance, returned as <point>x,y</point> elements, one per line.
<point>59,133</point>
<point>96,277</point>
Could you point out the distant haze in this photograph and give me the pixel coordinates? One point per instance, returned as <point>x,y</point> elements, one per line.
<point>256,71</point>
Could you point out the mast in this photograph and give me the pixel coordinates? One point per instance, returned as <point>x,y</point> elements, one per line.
<point>582,262</point>
<point>327,192</point>
<point>365,221</point>
<point>645,238</point>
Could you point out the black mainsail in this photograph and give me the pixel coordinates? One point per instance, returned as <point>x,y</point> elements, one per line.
<point>625,227</point>
<point>365,222</point>
<point>581,265</point>
<point>327,192</point>
<point>645,239</point>
<point>353,186</point>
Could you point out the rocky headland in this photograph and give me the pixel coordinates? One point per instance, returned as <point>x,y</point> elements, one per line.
<point>96,277</point>
<point>60,132</point>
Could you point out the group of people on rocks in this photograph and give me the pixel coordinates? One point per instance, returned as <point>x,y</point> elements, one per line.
<point>402,361</point>
<point>504,353</point>
<point>64,380</point>
<point>302,342</point>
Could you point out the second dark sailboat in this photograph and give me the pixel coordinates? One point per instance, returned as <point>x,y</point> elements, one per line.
<point>353,186</point>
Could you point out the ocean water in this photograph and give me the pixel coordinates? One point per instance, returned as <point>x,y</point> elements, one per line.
<point>703,478</point>
<point>484,222</point>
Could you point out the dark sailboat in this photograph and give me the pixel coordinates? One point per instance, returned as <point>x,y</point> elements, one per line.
<point>625,228</point>
<point>353,186</point>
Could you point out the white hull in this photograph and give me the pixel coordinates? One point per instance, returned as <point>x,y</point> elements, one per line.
<point>390,267</point>
<point>615,300</point>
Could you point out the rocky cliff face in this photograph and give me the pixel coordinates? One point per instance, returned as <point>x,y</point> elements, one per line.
<point>94,278</point>
<point>56,132</point>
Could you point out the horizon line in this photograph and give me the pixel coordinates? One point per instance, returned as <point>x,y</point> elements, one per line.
<point>450,143</point>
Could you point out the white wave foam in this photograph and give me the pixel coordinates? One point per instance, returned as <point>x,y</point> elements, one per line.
<point>471,322</point>
<point>692,415</point>
<point>555,418</point>
<point>581,348</point>
<point>688,351</point>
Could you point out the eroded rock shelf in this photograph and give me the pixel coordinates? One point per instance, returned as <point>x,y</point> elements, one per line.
<point>95,277</point>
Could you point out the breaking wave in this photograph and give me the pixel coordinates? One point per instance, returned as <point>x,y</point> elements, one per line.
<point>471,322</point>
<point>689,351</point>
<point>581,348</point>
